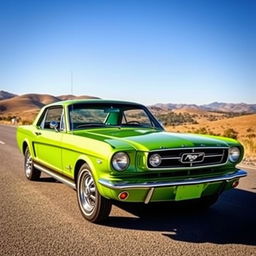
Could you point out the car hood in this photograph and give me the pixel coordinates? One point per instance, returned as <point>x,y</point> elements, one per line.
<point>150,139</point>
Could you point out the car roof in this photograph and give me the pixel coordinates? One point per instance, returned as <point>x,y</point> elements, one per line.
<point>90,101</point>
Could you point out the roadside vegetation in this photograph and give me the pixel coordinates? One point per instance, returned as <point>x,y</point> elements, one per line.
<point>15,120</point>
<point>172,118</point>
<point>245,132</point>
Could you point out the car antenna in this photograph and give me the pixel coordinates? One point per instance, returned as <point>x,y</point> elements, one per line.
<point>71,82</point>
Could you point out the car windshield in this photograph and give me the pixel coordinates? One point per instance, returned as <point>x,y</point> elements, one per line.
<point>84,116</point>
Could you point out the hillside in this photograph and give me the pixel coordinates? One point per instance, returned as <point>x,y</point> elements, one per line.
<point>214,106</point>
<point>26,106</point>
<point>6,95</point>
<point>230,107</point>
<point>242,128</point>
<point>72,97</point>
<point>241,123</point>
<point>26,102</point>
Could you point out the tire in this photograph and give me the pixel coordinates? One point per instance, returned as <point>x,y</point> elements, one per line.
<point>94,207</point>
<point>31,173</point>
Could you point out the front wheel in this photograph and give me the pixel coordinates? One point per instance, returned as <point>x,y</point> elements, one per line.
<point>30,171</point>
<point>93,206</point>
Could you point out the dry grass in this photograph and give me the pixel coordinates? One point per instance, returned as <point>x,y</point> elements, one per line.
<point>244,126</point>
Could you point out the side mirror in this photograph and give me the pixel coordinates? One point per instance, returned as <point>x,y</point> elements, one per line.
<point>54,125</point>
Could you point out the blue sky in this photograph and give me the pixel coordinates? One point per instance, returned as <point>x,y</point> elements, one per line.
<point>184,51</point>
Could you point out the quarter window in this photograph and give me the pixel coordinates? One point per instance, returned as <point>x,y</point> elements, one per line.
<point>53,114</point>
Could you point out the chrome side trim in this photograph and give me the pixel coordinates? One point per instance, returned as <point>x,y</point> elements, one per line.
<point>159,184</point>
<point>56,176</point>
<point>149,195</point>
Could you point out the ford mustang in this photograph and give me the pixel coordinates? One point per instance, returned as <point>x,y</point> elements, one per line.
<point>115,150</point>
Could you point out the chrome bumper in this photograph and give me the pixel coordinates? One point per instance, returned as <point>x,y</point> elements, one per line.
<point>156,184</point>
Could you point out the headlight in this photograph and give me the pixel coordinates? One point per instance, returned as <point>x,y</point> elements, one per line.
<point>120,161</point>
<point>155,160</point>
<point>234,154</point>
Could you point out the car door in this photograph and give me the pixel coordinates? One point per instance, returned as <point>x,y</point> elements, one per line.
<point>48,140</point>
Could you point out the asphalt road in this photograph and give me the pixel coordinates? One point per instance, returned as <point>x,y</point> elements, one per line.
<point>42,218</point>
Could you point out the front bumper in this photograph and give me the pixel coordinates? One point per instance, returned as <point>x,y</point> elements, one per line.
<point>151,186</point>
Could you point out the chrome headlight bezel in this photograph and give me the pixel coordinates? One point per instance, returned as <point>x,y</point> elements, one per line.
<point>155,160</point>
<point>234,154</point>
<point>120,161</point>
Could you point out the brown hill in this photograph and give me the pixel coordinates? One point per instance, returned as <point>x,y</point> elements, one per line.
<point>6,95</point>
<point>28,105</point>
<point>240,123</point>
<point>72,97</point>
<point>214,106</point>
<point>191,111</point>
<point>26,102</point>
<point>243,127</point>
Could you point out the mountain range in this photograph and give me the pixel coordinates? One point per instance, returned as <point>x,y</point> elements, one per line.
<point>6,95</point>
<point>28,105</point>
<point>12,103</point>
<point>214,107</point>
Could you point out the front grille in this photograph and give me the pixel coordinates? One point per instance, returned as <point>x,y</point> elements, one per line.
<point>190,157</point>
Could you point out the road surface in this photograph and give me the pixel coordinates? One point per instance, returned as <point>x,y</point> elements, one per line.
<point>42,218</point>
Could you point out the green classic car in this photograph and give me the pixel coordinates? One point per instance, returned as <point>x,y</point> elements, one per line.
<point>115,150</point>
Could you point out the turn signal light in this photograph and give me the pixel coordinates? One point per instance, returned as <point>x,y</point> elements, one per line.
<point>123,195</point>
<point>235,183</point>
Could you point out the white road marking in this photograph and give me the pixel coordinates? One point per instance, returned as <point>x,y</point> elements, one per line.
<point>1,142</point>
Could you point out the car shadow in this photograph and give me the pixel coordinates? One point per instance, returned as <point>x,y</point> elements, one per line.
<point>232,220</point>
<point>47,179</point>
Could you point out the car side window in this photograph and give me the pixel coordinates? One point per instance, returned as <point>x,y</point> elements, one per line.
<point>53,114</point>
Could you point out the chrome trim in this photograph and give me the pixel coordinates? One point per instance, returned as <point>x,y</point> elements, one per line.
<point>56,176</point>
<point>168,158</point>
<point>166,149</point>
<point>159,184</point>
<point>214,155</point>
<point>178,157</point>
<point>149,195</point>
<point>189,168</point>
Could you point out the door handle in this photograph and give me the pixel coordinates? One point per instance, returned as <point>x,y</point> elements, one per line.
<point>38,133</point>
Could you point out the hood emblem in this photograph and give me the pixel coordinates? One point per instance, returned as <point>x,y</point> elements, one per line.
<point>192,157</point>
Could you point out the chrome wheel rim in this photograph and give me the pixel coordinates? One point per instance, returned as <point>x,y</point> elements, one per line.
<point>28,165</point>
<point>87,192</point>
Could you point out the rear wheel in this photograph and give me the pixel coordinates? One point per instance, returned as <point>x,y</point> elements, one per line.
<point>30,171</point>
<point>93,206</point>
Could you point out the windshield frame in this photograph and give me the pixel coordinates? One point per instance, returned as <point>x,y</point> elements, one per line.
<point>122,106</point>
